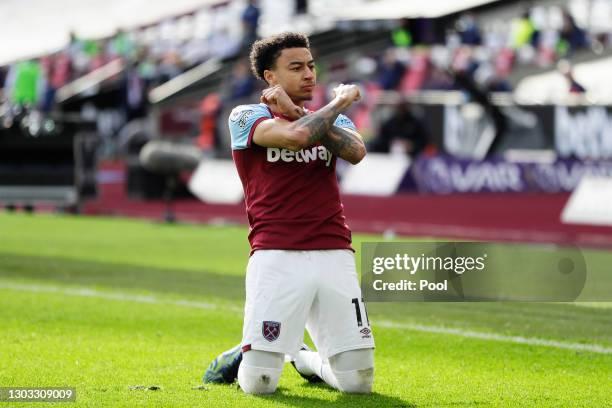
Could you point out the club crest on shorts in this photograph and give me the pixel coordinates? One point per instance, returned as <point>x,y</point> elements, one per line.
<point>270,330</point>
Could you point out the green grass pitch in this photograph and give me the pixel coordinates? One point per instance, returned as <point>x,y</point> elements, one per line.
<point>108,305</point>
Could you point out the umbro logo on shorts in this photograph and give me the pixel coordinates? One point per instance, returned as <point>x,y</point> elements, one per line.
<point>366,333</point>
<point>270,330</point>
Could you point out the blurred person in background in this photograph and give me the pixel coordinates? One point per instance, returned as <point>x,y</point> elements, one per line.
<point>401,35</point>
<point>250,23</point>
<point>75,49</point>
<point>135,92</point>
<point>468,30</point>
<point>169,66</point>
<point>151,69</point>
<point>121,45</point>
<point>209,109</point>
<point>403,132</point>
<point>524,31</point>
<point>99,56</point>
<point>25,83</point>
<point>86,54</point>
<point>240,83</point>
<point>572,37</point>
<point>390,71</point>
<point>58,72</point>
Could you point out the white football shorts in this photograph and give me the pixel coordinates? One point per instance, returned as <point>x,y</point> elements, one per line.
<point>287,291</point>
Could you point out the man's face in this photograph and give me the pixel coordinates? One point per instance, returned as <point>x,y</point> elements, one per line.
<point>295,73</point>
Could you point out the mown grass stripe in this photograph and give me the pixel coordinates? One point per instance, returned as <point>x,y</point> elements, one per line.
<point>122,296</point>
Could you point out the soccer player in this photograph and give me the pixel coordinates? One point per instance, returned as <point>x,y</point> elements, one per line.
<point>301,272</point>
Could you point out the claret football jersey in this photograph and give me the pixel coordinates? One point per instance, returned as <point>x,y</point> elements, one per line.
<point>292,198</point>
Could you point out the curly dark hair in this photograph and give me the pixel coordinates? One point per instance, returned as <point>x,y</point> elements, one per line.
<point>264,52</point>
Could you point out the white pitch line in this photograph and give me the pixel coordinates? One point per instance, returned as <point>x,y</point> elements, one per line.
<point>86,292</point>
<point>530,341</point>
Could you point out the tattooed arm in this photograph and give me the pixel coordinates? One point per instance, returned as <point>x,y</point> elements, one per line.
<point>345,144</point>
<point>308,129</point>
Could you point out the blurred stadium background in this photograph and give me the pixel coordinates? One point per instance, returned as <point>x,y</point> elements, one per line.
<point>485,120</point>
<point>490,112</point>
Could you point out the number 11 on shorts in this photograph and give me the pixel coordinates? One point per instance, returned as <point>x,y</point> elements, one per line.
<point>355,301</point>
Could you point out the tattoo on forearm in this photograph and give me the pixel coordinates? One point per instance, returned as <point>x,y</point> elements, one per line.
<point>317,124</point>
<point>343,144</point>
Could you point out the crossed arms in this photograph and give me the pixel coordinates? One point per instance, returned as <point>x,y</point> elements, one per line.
<point>313,127</point>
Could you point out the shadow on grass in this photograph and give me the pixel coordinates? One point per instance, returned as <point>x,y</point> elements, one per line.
<point>283,397</point>
<point>85,273</point>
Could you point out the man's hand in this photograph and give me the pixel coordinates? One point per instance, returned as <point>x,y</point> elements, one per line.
<point>347,94</point>
<point>279,102</point>
<point>309,129</point>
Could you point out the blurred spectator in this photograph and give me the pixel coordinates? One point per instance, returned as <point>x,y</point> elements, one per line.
<point>503,62</point>
<point>465,60</point>
<point>25,83</point>
<point>250,22</point>
<point>390,71</point>
<point>210,109</point>
<point>150,70</point>
<point>96,51</point>
<point>169,67</point>
<point>572,36</point>
<point>86,55</point>
<point>468,30</point>
<point>481,51</point>
<point>61,70</point>
<point>58,72</point>
<point>403,131</point>
<point>241,81</point>
<point>135,96</point>
<point>524,31</point>
<point>121,45</point>
<point>401,35</point>
<point>78,56</point>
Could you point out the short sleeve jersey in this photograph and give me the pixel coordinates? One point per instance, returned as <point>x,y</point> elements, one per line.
<point>292,198</point>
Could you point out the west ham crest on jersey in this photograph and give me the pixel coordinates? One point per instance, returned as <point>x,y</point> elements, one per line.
<point>270,330</point>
